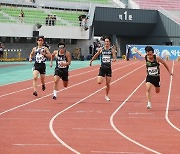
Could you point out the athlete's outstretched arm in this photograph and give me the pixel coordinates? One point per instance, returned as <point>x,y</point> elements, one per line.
<point>95,56</point>
<point>137,51</point>
<point>165,65</point>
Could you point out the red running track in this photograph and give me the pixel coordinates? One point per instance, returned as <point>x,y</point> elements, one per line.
<point>81,121</point>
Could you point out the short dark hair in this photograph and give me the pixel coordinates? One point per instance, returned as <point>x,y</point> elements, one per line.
<point>42,37</point>
<point>61,43</point>
<point>149,48</point>
<point>106,37</point>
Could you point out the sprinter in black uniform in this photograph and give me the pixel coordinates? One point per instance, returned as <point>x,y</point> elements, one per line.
<point>63,60</point>
<point>108,54</point>
<point>40,54</point>
<point>153,72</point>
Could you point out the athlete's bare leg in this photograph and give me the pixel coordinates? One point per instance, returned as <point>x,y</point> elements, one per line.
<point>42,79</point>
<point>148,94</point>
<point>100,79</point>
<point>56,81</point>
<point>55,86</point>
<point>35,77</point>
<point>148,91</point>
<point>65,83</point>
<point>108,80</point>
<point>157,89</point>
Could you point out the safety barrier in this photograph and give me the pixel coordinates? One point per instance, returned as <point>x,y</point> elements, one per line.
<point>12,55</point>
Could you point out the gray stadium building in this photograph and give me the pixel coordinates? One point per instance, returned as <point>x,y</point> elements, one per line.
<point>136,26</point>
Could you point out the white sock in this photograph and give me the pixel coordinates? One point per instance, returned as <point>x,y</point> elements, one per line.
<point>55,93</point>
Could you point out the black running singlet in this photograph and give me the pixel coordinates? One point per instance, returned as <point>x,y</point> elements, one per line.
<point>106,56</point>
<point>60,59</point>
<point>152,67</point>
<point>39,58</point>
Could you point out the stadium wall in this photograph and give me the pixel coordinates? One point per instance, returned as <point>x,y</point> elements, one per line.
<point>166,30</point>
<point>135,26</point>
<point>24,30</point>
<point>26,48</point>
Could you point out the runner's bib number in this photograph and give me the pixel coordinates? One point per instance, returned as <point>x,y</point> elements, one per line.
<point>39,58</point>
<point>152,70</point>
<point>106,59</point>
<point>59,64</point>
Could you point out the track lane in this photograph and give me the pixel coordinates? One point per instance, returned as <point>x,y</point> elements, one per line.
<point>151,124</point>
<point>85,121</point>
<point>10,89</point>
<point>41,95</point>
<point>86,124</point>
<point>173,107</point>
<point>32,114</point>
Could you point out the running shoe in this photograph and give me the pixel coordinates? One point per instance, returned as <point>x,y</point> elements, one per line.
<point>43,87</point>
<point>107,98</point>
<point>35,93</point>
<point>149,105</point>
<point>54,97</point>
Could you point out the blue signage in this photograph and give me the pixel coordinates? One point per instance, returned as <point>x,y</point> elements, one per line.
<point>172,52</point>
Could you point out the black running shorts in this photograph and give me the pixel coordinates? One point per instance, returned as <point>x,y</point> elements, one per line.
<point>103,71</point>
<point>41,67</point>
<point>62,73</point>
<point>155,80</point>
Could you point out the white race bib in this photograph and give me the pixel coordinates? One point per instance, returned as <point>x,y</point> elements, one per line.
<point>153,70</point>
<point>39,58</point>
<point>106,59</point>
<point>59,64</point>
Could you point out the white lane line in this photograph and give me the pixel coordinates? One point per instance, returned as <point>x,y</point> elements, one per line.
<point>36,144</point>
<point>52,120</point>
<point>89,111</point>
<point>31,79</point>
<point>46,83</point>
<point>138,113</point>
<point>1,113</point>
<point>110,152</point>
<point>37,110</point>
<point>95,129</point>
<point>146,118</point>
<point>44,97</point>
<point>52,74</point>
<point>53,81</point>
<point>23,118</point>
<point>168,102</point>
<point>119,132</point>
